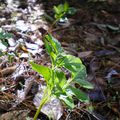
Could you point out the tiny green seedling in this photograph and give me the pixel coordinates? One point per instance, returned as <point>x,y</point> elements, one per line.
<point>4,36</point>
<point>62,10</point>
<point>57,84</point>
<point>3,39</point>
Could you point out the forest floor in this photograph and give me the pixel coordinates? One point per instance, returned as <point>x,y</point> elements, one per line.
<point>92,34</point>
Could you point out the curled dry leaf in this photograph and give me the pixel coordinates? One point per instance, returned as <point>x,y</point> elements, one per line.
<point>21,94</point>
<point>21,25</point>
<point>97,95</point>
<point>2,63</point>
<point>15,115</point>
<point>85,54</point>
<point>104,53</point>
<point>7,71</point>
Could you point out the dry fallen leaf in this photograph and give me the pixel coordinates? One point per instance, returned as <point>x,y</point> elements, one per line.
<point>7,71</point>
<point>15,115</point>
<point>21,94</point>
<point>85,54</point>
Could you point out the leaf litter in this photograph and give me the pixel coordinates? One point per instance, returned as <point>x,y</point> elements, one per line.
<point>94,38</point>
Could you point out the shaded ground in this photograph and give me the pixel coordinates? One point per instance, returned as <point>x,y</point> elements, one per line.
<point>93,34</point>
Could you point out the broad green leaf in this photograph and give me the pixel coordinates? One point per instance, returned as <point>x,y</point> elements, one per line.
<point>60,60</point>
<point>44,71</point>
<point>4,35</point>
<point>78,71</point>
<point>72,63</point>
<point>57,89</point>
<point>60,8</point>
<point>78,93</point>
<point>82,81</point>
<point>55,45</point>
<point>68,101</point>
<point>49,50</point>
<point>72,11</point>
<point>56,10</point>
<point>59,92</point>
<point>80,78</point>
<point>61,78</point>
<point>66,6</point>
<point>48,47</point>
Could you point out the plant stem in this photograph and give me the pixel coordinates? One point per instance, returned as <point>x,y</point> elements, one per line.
<point>43,101</point>
<point>47,92</point>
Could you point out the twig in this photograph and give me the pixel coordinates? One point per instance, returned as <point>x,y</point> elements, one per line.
<point>65,27</point>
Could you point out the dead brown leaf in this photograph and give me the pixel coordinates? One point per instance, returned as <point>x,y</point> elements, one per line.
<point>7,71</point>
<point>85,54</point>
<point>15,115</point>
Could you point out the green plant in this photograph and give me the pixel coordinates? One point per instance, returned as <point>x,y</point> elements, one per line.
<point>57,84</point>
<point>62,10</point>
<point>3,37</point>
